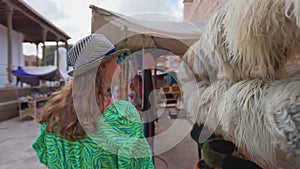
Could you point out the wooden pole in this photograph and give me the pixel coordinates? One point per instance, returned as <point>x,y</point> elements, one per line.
<point>44,36</point>
<point>67,49</point>
<point>9,12</point>
<point>37,54</point>
<point>57,55</point>
<point>44,54</point>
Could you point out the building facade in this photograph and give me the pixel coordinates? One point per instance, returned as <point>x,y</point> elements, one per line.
<point>17,53</point>
<point>19,23</point>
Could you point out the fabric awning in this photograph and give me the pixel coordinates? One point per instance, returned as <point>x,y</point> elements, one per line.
<point>136,34</point>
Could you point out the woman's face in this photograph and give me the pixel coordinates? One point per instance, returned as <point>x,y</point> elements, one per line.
<point>111,72</point>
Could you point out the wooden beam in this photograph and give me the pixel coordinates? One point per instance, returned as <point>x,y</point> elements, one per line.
<point>36,19</point>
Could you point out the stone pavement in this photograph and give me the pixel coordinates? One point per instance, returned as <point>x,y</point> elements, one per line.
<point>183,155</point>
<point>18,135</point>
<point>15,144</point>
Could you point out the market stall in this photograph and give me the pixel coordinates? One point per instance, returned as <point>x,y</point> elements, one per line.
<point>137,34</point>
<point>32,74</point>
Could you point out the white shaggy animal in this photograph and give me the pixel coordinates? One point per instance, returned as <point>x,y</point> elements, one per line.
<point>192,98</point>
<point>215,36</point>
<point>241,116</point>
<point>201,61</point>
<point>292,10</point>
<point>282,108</point>
<point>261,35</point>
<point>208,102</point>
<point>260,111</point>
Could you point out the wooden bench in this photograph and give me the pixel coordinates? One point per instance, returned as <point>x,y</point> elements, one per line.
<point>9,100</point>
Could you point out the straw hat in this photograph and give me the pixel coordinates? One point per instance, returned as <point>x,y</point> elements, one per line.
<point>88,53</point>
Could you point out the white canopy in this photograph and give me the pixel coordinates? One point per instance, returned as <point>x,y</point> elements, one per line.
<point>136,34</point>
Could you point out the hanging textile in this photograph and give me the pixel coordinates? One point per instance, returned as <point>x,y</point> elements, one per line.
<point>32,74</point>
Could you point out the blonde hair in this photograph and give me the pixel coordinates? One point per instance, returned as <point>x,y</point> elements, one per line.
<point>59,113</point>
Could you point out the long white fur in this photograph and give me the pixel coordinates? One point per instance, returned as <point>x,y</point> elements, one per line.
<point>215,36</point>
<point>200,59</point>
<point>260,36</point>
<point>241,116</point>
<point>198,72</point>
<point>198,69</point>
<point>247,36</point>
<point>185,73</point>
<point>282,107</point>
<point>292,10</point>
<point>206,64</point>
<point>208,102</point>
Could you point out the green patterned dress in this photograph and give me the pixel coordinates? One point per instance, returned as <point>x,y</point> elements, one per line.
<point>119,143</point>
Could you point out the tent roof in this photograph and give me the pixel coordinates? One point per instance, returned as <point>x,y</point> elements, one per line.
<point>136,34</point>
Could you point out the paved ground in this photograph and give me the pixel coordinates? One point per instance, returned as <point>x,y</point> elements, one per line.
<point>18,135</point>
<point>184,154</point>
<point>15,144</point>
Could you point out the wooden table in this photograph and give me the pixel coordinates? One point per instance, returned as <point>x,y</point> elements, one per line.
<point>31,108</point>
<point>170,101</point>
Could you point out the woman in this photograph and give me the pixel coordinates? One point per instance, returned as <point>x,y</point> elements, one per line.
<point>82,126</point>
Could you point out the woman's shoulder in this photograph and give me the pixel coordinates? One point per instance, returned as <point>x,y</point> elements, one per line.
<point>123,102</point>
<point>116,105</point>
<point>126,109</point>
